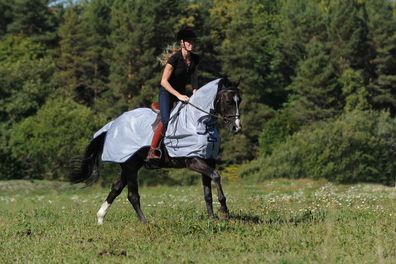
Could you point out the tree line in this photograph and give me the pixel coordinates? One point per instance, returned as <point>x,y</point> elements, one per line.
<point>68,67</point>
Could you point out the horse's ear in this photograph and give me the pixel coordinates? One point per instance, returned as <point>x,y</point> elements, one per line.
<point>221,85</point>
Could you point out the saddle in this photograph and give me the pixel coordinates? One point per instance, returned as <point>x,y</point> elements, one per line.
<point>155,107</point>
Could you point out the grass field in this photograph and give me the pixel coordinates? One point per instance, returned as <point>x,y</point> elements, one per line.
<point>279,221</point>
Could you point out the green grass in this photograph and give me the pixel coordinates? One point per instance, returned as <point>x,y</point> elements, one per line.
<point>279,221</point>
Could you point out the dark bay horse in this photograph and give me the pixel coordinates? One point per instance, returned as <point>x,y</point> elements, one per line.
<point>226,107</point>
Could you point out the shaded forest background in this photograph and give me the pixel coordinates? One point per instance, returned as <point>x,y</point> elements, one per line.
<point>318,80</point>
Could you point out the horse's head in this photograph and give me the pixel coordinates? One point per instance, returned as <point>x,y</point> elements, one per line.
<point>227,103</point>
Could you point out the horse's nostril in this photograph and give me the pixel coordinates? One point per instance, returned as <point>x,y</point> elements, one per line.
<point>236,129</point>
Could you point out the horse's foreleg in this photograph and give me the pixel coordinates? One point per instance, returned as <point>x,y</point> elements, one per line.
<point>220,194</point>
<point>134,197</point>
<point>204,168</point>
<point>116,188</point>
<point>206,182</point>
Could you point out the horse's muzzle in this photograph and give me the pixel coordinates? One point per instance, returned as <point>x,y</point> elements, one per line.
<point>236,126</point>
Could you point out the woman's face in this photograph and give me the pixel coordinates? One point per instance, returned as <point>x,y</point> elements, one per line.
<point>188,44</point>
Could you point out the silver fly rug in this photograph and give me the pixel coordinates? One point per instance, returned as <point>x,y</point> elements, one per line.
<point>190,133</point>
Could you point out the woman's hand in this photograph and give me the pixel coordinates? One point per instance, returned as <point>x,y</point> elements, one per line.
<point>183,98</point>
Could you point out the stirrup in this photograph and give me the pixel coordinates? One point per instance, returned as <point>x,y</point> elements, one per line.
<point>155,153</point>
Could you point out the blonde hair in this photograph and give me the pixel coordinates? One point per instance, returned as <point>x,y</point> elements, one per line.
<point>167,53</point>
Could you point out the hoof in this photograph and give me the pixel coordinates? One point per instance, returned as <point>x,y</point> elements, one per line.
<point>224,214</point>
<point>100,217</point>
<point>100,220</point>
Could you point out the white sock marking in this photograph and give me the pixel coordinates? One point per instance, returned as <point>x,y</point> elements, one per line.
<point>102,212</point>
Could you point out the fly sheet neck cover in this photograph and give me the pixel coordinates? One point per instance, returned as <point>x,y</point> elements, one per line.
<point>191,132</point>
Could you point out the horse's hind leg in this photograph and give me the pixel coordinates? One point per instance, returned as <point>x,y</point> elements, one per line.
<point>116,188</point>
<point>133,190</point>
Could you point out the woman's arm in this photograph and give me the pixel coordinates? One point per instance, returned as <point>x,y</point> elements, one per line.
<point>165,83</point>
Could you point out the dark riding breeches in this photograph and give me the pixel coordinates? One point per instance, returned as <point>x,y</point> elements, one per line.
<point>166,102</point>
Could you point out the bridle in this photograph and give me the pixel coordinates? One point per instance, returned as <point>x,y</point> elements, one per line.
<point>227,119</point>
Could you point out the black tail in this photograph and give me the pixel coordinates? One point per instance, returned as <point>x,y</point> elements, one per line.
<point>86,169</point>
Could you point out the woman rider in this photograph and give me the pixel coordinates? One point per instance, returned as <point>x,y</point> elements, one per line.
<point>180,70</point>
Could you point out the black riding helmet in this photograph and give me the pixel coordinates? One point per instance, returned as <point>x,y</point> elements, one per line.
<point>186,34</point>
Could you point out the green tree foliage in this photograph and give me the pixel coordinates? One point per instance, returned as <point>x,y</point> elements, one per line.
<point>358,146</point>
<point>354,91</point>
<point>247,48</point>
<point>277,130</point>
<point>299,62</point>
<point>95,23</point>
<point>315,88</point>
<point>24,78</point>
<point>382,87</point>
<point>25,88</point>
<point>221,15</point>
<point>335,39</point>
<point>236,149</point>
<point>45,142</point>
<point>74,68</point>
<point>133,44</point>
<point>347,31</point>
<point>299,22</point>
<point>25,84</point>
<point>83,69</point>
<point>245,41</point>
<point>5,15</point>
<point>33,18</point>
<point>10,167</point>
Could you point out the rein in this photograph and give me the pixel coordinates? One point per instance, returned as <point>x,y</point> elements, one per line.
<point>226,120</point>
<point>206,112</point>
